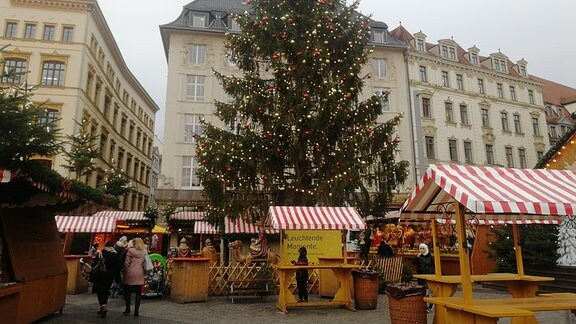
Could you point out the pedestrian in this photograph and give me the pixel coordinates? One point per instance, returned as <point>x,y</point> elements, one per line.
<point>134,274</point>
<point>424,265</point>
<point>302,275</point>
<point>108,272</point>
<point>93,249</point>
<point>385,250</point>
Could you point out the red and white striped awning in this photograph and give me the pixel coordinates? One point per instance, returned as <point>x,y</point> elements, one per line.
<point>502,195</point>
<point>187,216</point>
<point>315,218</point>
<point>85,224</point>
<point>487,221</point>
<point>7,175</point>
<point>134,216</point>
<point>239,226</point>
<point>201,227</point>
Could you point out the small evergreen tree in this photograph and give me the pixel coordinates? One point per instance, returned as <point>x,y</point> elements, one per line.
<point>116,183</point>
<point>83,150</point>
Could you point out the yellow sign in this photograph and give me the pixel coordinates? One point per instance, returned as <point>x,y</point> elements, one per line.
<point>320,243</point>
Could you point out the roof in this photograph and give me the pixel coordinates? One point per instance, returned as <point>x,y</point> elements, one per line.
<point>85,224</point>
<point>187,216</point>
<point>556,93</point>
<point>512,195</point>
<point>315,218</point>
<point>134,216</point>
<point>202,227</point>
<point>237,226</point>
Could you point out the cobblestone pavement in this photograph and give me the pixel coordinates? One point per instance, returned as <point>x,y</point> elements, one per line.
<point>82,309</point>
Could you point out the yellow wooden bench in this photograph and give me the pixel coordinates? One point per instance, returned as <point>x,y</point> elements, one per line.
<point>249,287</point>
<point>490,310</point>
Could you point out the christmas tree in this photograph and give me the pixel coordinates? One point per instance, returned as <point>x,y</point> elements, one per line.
<point>116,183</point>
<point>296,131</point>
<point>80,157</point>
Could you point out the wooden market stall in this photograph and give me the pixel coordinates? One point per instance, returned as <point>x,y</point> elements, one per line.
<point>33,272</point>
<point>181,225</point>
<point>81,224</point>
<point>339,219</point>
<point>485,194</point>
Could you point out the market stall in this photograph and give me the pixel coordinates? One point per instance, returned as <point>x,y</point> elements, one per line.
<point>484,194</point>
<point>314,221</point>
<point>181,224</point>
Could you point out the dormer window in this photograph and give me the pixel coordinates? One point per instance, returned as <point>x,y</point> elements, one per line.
<point>199,20</point>
<point>474,58</point>
<point>234,25</point>
<point>523,70</point>
<point>379,36</point>
<point>499,65</point>
<point>420,45</point>
<point>448,52</point>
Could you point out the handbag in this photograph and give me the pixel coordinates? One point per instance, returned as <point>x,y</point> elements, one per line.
<point>147,264</point>
<point>99,268</point>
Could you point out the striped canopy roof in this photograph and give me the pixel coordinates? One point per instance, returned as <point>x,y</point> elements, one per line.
<point>493,195</point>
<point>85,224</point>
<point>315,218</point>
<point>239,226</point>
<point>134,216</point>
<point>201,227</point>
<point>187,216</point>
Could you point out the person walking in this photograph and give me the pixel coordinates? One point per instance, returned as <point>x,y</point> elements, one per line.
<point>302,275</point>
<point>134,274</point>
<point>107,271</point>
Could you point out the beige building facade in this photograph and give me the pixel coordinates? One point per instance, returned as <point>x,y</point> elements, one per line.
<point>194,45</point>
<point>66,52</point>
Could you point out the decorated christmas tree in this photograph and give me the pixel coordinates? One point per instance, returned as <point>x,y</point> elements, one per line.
<point>296,131</point>
<point>82,152</point>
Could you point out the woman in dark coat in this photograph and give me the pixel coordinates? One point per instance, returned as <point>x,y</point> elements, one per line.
<point>102,279</point>
<point>424,262</point>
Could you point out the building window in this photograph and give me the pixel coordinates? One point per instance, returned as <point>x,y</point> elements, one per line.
<point>499,65</point>
<point>481,86</point>
<point>539,155</point>
<point>500,90</point>
<point>553,132</point>
<point>453,150</point>
<point>195,88</point>
<point>504,119</point>
<point>420,45</point>
<point>430,152</point>
<point>192,127</point>
<point>53,73</point>
<point>189,170</point>
<point>196,54</point>
<point>535,126</point>
<point>452,52</point>
<point>509,157</point>
<point>234,25</point>
<point>30,31</point>
<point>50,120</point>
<point>423,77</point>
<point>448,52</point>
<point>11,29</point>
<point>49,31</point>
<point>449,112</point>
<point>517,124</point>
<point>445,79</point>
<point>385,101</point>
<point>459,81</point>
<point>468,151</point>
<point>523,70</point>
<point>464,115</point>
<point>485,117</point>
<point>531,96</point>
<point>379,67</point>
<point>67,34</point>
<point>475,59</point>
<point>489,154</point>
<point>426,109</point>
<point>16,68</point>
<point>198,20</point>
<point>444,51</point>
<point>512,93</point>
<point>379,36</point>
<point>522,158</point>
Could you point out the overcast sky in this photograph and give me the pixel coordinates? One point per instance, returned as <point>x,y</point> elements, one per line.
<point>542,33</point>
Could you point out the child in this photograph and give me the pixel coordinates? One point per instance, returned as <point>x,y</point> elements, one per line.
<point>302,275</point>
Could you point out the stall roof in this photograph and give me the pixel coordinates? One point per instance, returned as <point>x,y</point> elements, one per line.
<point>239,226</point>
<point>315,218</point>
<point>201,227</point>
<point>122,215</point>
<point>7,175</point>
<point>493,194</point>
<point>85,224</point>
<point>187,216</point>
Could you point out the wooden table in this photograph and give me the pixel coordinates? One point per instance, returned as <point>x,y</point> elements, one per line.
<point>342,297</point>
<point>445,286</point>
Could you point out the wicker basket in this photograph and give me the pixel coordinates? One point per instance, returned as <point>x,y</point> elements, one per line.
<point>365,289</point>
<point>407,310</point>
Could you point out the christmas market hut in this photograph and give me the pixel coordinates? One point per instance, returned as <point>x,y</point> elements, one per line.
<point>181,225</point>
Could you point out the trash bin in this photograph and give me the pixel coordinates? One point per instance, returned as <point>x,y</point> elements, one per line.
<point>406,303</point>
<point>365,289</point>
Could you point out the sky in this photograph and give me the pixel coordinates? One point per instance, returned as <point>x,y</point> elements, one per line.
<point>543,34</point>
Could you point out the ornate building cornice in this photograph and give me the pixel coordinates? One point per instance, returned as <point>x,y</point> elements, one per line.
<point>57,4</point>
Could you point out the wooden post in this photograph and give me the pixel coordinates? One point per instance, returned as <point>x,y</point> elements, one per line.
<point>463,253</point>
<point>344,246</point>
<point>436,249</point>
<point>517,249</point>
